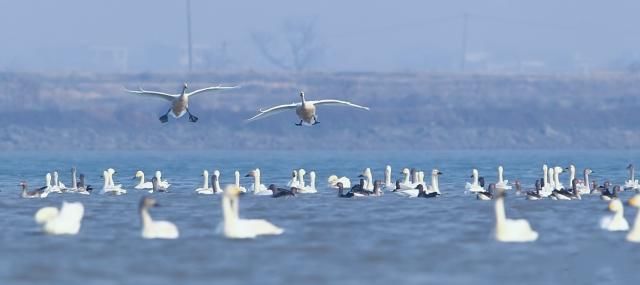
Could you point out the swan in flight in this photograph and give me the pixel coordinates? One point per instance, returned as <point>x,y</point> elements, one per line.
<point>333,181</point>
<point>179,102</point>
<point>141,183</point>
<point>306,110</point>
<point>508,230</point>
<point>616,222</point>
<point>634,233</point>
<point>632,183</point>
<point>234,227</point>
<point>155,229</point>
<point>65,221</point>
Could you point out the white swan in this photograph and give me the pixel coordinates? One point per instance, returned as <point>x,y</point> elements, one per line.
<point>474,186</point>
<point>155,229</point>
<point>632,182</point>
<point>234,227</point>
<point>50,187</point>
<point>294,179</point>
<point>368,179</point>
<point>306,110</point>
<point>388,184</point>
<point>205,185</point>
<point>435,183</point>
<point>179,102</point>
<point>78,186</point>
<point>616,222</point>
<point>162,183</point>
<point>311,188</point>
<point>237,183</point>
<point>141,183</point>
<point>109,186</point>
<point>333,181</point>
<point>547,188</point>
<point>584,188</point>
<point>634,234</point>
<point>406,183</point>
<point>301,183</point>
<point>65,221</point>
<point>508,230</point>
<point>215,185</point>
<point>502,184</point>
<point>257,187</point>
<point>556,178</point>
<point>57,186</point>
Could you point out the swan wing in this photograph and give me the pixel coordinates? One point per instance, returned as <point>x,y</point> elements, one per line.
<point>213,88</point>
<point>337,102</point>
<point>262,227</point>
<point>272,111</point>
<point>156,94</point>
<point>165,229</point>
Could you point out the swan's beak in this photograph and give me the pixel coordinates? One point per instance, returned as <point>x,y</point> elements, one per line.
<point>248,175</point>
<point>360,176</point>
<point>471,176</point>
<point>439,173</point>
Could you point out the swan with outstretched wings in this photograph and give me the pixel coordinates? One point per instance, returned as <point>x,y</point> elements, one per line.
<point>179,102</point>
<point>305,109</point>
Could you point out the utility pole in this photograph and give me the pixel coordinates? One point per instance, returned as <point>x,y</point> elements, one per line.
<point>189,35</point>
<point>465,21</point>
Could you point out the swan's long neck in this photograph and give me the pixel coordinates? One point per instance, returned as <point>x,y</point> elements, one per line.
<point>545,174</point>
<point>301,179</point>
<point>405,178</point>
<point>256,182</point>
<point>550,176</point>
<point>106,179</point>
<point>572,174</point>
<point>632,173</point>
<point>141,178</point>
<point>500,178</point>
<point>434,182</point>
<point>24,189</point>
<point>216,184</point>
<point>556,177</point>
<point>500,213</point>
<point>237,179</point>
<point>111,183</point>
<point>145,217</point>
<point>369,179</point>
<point>475,178</point>
<point>586,181</point>
<point>619,214</point>
<point>387,176</point>
<point>47,179</point>
<point>74,180</point>
<point>205,184</point>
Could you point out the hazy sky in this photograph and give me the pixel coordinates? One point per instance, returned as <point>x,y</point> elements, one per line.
<point>353,35</point>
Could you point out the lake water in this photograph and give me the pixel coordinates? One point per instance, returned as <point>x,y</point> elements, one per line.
<point>327,240</point>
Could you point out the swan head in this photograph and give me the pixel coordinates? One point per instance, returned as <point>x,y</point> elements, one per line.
<point>474,173</point>
<point>588,171</point>
<point>312,175</point>
<point>158,174</point>
<point>294,174</point>
<point>147,202</point>
<point>205,173</point>
<point>302,94</point>
<point>253,173</point>
<point>302,172</point>
<point>405,171</point>
<point>111,171</point>
<point>435,172</point>
<point>557,169</point>
<point>500,169</point>
<point>185,86</point>
<point>139,174</point>
<point>232,191</point>
<point>615,206</point>
<point>216,175</point>
<point>332,179</point>
<point>635,201</point>
<point>388,168</point>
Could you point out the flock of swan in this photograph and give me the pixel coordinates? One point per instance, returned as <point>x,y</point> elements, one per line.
<point>68,218</point>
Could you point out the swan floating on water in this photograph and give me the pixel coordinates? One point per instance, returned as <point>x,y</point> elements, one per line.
<point>508,230</point>
<point>57,186</point>
<point>237,183</point>
<point>141,183</point>
<point>502,184</point>
<point>368,179</point>
<point>65,221</point>
<point>36,193</point>
<point>205,185</point>
<point>311,188</point>
<point>333,181</point>
<point>632,183</point>
<point>387,178</point>
<point>474,186</point>
<point>109,186</point>
<point>163,184</point>
<point>294,179</point>
<point>634,233</point>
<point>305,110</point>
<point>234,227</point>
<point>155,229</point>
<point>257,187</point>
<point>179,102</point>
<point>616,222</point>
<point>78,187</point>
